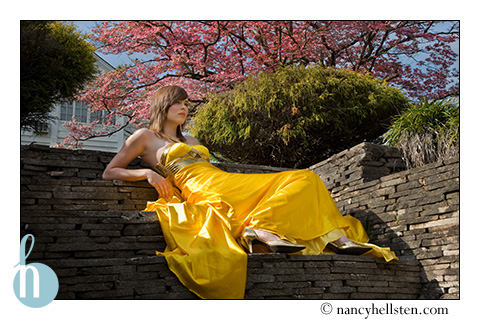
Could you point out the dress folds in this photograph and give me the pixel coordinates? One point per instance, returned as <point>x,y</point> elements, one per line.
<point>211,208</point>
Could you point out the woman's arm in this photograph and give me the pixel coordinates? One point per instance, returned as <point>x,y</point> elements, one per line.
<point>134,147</point>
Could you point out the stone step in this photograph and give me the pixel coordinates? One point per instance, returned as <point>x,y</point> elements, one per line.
<point>112,255</point>
<point>269,276</point>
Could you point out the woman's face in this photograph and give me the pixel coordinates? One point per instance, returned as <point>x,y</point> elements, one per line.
<point>178,112</point>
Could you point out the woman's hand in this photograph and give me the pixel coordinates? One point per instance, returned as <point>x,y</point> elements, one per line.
<point>160,184</point>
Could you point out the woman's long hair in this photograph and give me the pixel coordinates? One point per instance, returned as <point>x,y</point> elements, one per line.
<point>162,100</point>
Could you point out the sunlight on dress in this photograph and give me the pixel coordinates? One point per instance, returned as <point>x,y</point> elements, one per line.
<point>202,221</point>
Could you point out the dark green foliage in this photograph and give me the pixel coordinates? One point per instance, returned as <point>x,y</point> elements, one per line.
<point>296,116</point>
<point>426,132</point>
<point>55,63</point>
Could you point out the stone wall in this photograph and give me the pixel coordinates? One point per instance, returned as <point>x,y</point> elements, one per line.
<point>331,277</point>
<point>361,163</point>
<point>111,255</point>
<point>39,160</point>
<point>92,233</point>
<point>416,213</point>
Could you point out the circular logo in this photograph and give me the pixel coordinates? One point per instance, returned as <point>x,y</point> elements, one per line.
<point>35,284</point>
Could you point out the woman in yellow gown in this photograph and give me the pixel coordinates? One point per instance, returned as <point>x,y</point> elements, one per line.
<point>210,219</point>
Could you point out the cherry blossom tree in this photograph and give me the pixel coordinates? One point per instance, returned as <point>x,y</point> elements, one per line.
<point>211,56</point>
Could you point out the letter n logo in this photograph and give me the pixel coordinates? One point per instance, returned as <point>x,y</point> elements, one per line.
<point>35,284</point>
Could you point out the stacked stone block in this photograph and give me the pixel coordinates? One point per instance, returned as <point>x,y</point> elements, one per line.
<point>60,164</point>
<point>100,244</point>
<point>359,164</point>
<point>416,213</point>
<point>110,255</point>
<point>281,276</point>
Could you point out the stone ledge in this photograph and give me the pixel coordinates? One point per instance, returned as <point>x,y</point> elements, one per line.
<point>359,164</point>
<point>110,255</point>
<point>331,277</point>
<point>269,276</point>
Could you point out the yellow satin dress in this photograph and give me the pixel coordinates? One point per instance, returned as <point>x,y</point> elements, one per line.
<point>211,208</point>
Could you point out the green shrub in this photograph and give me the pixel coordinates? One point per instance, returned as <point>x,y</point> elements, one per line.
<point>296,116</point>
<point>426,132</point>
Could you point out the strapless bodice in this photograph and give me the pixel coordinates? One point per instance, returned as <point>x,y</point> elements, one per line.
<point>178,155</point>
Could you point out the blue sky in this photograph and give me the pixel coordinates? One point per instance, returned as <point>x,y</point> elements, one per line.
<point>113,59</point>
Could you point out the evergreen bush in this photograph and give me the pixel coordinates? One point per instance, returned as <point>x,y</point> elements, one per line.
<point>56,62</point>
<point>296,116</point>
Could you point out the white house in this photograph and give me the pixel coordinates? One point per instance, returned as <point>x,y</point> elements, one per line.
<point>55,132</point>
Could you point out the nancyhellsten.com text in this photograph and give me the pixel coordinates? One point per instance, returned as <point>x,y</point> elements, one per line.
<point>385,309</point>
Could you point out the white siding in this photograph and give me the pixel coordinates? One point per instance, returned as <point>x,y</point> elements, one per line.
<point>57,133</point>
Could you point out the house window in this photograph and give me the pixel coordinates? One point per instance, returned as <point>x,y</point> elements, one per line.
<point>66,111</point>
<point>81,113</point>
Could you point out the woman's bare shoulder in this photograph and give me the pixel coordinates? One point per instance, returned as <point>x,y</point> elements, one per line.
<point>142,134</point>
<point>144,139</point>
<point>191,140</point>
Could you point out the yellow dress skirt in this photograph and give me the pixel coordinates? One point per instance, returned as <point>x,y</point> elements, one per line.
<point>211,208</point>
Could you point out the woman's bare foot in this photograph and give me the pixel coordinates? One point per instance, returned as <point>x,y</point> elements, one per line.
<point>265,235</point>
<point>268,236</point>
<point>342,240</point>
